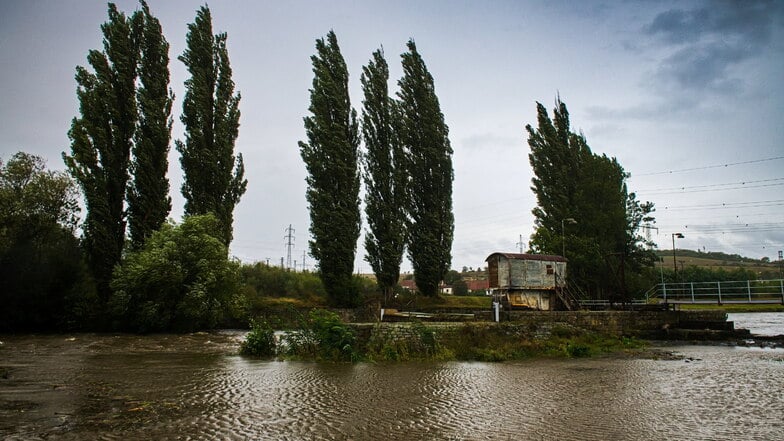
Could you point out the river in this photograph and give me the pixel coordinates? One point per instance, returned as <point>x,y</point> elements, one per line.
<point>89,386</point>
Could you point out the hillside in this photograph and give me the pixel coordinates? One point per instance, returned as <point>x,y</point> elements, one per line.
<point>716,260</point>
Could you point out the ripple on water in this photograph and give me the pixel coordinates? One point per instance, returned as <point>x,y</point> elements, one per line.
<point>108,393</point>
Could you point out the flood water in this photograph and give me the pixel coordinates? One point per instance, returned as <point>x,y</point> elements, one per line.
<point>89,386</point>
<point>759,323</point>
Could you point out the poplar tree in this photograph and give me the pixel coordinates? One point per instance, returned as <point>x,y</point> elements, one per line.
<point>148,196</point>
<point>101,140</point>
<point>384,176</point>
<point>331,158</point>
<point>573,183</point>
<point>425,137</point>
<point>214,176</point>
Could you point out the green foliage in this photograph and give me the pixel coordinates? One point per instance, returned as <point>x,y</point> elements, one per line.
<point>571,182</point>
<point>32,197</point>
<point>426,341</point>
<point>577,350</point>
<point>460,288</point>
<point>44,283</point>
<point>511,341</point>
<point>423,344</point>
<point>706,274</point>
<point>385,176</point>
<point>262,284</point>
<point>260,341</point>
<point>214,177</point>
<point>323,336</point>
<point>715,255</point>
<point>101,141</point>
<point>425,138</point>
<point>148,195</point>
<point>181,279</point>
<point>331,159</point>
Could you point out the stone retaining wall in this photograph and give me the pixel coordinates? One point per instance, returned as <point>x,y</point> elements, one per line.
<point>540,323</point>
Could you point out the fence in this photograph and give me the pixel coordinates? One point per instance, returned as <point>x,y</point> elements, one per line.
<point>746,291</point>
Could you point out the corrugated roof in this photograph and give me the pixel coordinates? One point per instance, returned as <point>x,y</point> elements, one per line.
<point>517,256</point>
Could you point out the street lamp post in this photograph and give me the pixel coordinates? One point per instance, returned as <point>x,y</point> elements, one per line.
<point>563,234</point>
<point>674,262</point>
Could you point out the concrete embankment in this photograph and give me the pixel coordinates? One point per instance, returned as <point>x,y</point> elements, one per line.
<point>662,325</point>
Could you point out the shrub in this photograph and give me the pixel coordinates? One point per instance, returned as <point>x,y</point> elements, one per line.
<point>260,341</point>
<point>577,350</point>
<point>181,280</point>
<point>323,335</point>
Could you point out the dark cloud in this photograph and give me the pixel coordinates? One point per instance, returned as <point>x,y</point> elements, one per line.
<point>709,41</point>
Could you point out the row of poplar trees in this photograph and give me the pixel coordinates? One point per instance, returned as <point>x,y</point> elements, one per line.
<point>406,167</point>
<point>120,142</point>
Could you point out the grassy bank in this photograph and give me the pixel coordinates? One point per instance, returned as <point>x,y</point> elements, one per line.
<point>733,308</point>
<point>413,302</point>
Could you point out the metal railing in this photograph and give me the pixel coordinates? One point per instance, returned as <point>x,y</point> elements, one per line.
<point>740,291</point>
<point>605,302</point>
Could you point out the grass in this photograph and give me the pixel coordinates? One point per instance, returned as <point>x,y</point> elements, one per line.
<point>733,308</point>
<point>422,303</point>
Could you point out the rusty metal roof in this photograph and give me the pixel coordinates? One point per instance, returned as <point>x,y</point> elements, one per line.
<point>517,256</point>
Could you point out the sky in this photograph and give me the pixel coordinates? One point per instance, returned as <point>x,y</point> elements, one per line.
<point>687,95</point>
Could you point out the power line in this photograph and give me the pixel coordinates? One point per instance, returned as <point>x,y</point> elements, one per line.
<point>725,205</point>
<point>707,167</point>
<point>711,187</point>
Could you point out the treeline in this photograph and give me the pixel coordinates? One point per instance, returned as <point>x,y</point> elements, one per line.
<point>180,279</point>
<point>715,255</point>
<point>131,268</point>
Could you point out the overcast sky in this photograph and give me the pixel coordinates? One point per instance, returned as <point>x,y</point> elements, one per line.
<point>689,96</point>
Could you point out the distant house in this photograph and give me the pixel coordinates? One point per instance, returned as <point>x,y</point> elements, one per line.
<point>478,286</point>
<point>446,289</point>
<point>408,285</point>
<point>531,281</point>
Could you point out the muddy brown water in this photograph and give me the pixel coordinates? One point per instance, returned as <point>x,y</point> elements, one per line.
<point>124,387</point>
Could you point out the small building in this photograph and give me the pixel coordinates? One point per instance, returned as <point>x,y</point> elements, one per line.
<point>477,287</point>
<point>530,281</point>
<point>408,285</point>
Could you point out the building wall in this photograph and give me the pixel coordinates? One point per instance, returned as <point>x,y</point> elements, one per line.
<point>524,274</point>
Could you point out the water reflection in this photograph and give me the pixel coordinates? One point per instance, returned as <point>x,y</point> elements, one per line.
<point>171,387</point>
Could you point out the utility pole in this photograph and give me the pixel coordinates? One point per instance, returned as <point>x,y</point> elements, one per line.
<point>289,244</point>
<point>674,263</point>
<point>303,260</point>
<point>563,234</point>
<point>520,244</point>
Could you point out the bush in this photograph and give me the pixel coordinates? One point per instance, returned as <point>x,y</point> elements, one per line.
<point>577,350</point>
<point>322,336</point>
<point>260,341</point>
<point>181,280</point>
